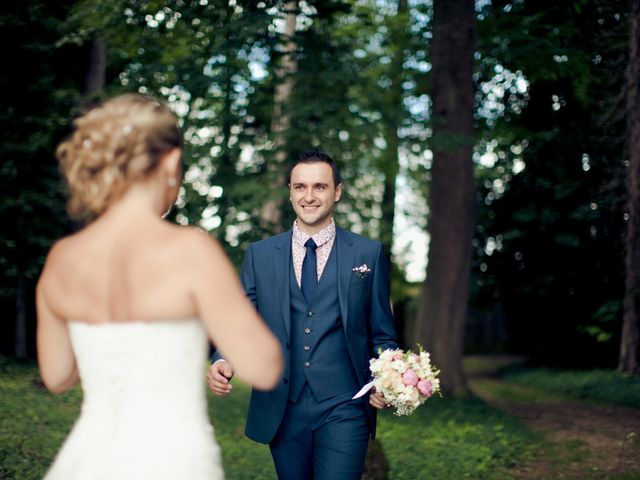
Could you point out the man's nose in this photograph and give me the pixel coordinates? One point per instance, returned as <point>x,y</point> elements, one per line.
<point>308,194</point>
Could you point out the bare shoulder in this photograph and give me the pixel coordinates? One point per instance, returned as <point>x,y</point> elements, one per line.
<point>59,253</point>
<point>204,262</point>
<point>198,239</point>
<point>197,246</point>
<point>59,256</point>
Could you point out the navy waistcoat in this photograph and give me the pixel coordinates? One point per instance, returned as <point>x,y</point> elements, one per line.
<point>318,346</point>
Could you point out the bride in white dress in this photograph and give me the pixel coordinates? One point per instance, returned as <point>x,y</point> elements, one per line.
<point>126,305</point>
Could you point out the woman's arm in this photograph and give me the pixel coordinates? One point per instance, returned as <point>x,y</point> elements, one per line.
<point>231,320</point>
<point>55,356</point>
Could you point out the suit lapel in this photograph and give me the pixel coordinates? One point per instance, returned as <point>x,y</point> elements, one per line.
<point>345,260</point>
<point>281,266</point>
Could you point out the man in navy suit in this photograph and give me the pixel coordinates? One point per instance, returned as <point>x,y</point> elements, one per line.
<point>324,292</point>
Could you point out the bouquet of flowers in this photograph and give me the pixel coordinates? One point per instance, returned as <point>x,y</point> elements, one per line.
<point>406,379</point>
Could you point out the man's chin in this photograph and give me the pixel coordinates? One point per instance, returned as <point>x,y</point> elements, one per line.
<point>311,220</point>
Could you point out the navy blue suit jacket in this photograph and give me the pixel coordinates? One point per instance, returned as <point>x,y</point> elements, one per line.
<point>364,306</point>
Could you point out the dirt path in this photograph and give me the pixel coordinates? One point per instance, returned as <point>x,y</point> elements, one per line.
<point>585,440</point>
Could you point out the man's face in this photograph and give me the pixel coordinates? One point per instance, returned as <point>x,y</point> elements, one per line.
<point>313,194</point>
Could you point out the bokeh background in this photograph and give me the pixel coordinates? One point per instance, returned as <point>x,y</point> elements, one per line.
<point>492,146</point>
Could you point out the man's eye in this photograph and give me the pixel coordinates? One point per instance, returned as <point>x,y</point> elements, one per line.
<point>321,187</point>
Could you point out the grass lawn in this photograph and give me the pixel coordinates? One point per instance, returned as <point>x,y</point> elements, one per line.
<point>444,439</point>
<point>454,439</point>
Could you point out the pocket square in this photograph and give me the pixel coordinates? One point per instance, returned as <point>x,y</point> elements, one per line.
<point>361,271</point>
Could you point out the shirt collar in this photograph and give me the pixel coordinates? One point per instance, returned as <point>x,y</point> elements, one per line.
<point>323,236</point>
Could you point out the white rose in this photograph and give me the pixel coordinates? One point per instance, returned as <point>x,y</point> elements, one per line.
<point>399,366</point>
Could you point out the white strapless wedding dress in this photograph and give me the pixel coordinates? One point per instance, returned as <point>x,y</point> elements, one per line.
<point>144,413</point>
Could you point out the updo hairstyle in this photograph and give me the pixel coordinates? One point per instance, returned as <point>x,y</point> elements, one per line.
<point>112,146</point>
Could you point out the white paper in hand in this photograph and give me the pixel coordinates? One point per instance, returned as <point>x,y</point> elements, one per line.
<point>363,390</point>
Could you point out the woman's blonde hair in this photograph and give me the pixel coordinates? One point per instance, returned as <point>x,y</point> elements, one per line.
<point>112,146</point>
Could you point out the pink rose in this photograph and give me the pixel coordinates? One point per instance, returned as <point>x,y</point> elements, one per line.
<point>425,388</point>
<point>409,377</point>
<point>397,356</point>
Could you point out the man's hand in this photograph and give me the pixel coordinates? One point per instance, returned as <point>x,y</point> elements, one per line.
<point>218,377</point>
<point>376,400</point>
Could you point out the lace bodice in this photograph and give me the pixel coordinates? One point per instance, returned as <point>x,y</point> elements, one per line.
<point>144,408</point>
<point>141,368</point>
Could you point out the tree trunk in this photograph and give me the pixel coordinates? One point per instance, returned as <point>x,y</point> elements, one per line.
<point>443,309</point>
<point>96,73</point>
<point>94,83</point>
<point>20,339</point>
<point>271,214</point>
<point>629,345</point>
<point>226,171</point>
<point>390,165</point>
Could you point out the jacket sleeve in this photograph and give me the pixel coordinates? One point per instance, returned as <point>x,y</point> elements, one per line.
<point>248,278</point>
<point>381,322</point>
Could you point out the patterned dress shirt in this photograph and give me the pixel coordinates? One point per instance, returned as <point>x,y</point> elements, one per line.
<point>324,240</point>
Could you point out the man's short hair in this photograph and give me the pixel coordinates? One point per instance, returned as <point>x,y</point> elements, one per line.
<point>313,156</point>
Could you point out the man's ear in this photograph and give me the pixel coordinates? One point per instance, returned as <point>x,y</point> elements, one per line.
<point>338,193</point>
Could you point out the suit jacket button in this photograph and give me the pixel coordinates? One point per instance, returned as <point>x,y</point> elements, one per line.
<point>309,313</point>
<point>307,348</point>
<point>307,330</point>
<point>306,364</point>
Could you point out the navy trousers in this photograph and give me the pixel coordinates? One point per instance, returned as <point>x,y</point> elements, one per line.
<point>322,440</point>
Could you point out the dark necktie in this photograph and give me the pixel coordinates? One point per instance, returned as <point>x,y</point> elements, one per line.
<point>309,280</point>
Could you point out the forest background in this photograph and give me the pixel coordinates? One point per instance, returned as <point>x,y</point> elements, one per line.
<point>488,145</point>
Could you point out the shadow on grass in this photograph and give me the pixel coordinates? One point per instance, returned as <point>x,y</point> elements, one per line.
<point>601,386</point>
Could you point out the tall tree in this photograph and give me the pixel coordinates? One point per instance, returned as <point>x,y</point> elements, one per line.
<point>96,73</point>
<point>271,215</point>
<point>443,307</point>
<point>630,343</point>
<point>325,113</point>
<point>35,99</point>
<point>392,117</point>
